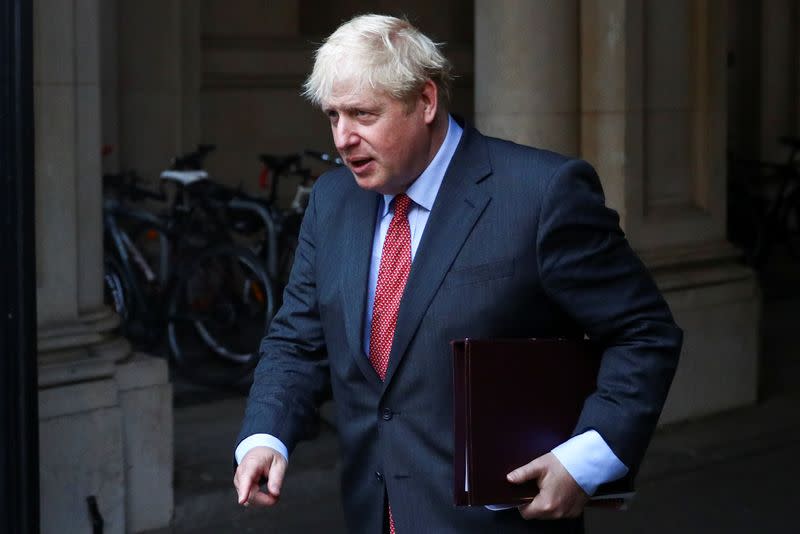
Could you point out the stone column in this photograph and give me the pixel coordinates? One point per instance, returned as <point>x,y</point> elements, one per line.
<point>654,125</point>
<point>84,429</point>
<point>526,72</point>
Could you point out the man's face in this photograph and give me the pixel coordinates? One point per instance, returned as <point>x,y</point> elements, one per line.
<point>385,142</point>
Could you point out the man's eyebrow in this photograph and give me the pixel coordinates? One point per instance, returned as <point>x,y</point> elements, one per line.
<point>347,108</point>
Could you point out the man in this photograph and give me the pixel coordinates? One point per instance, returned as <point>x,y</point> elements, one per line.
<point>434,232</point>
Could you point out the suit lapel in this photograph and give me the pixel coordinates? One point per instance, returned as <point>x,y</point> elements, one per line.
<point>359,225</point>
<point>459,204</point>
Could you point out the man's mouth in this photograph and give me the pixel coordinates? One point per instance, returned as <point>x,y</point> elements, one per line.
<point>358,164</point>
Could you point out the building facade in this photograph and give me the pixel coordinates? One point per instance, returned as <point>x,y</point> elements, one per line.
<point>653,94</point>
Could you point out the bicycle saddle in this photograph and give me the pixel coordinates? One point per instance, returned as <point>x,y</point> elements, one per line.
<point>184,177</point>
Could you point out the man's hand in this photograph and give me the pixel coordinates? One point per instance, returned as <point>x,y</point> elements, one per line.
<point>260,462</point>
<point>559,495</point>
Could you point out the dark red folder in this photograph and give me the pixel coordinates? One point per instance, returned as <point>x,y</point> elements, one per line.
<point>514,400</point>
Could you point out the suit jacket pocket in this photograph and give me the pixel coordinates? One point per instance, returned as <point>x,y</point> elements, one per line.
<point>480,273</point>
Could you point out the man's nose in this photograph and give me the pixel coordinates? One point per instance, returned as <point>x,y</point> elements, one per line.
<point>344,136</point>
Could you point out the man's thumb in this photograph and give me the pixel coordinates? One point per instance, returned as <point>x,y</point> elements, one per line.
<point>529,471</point>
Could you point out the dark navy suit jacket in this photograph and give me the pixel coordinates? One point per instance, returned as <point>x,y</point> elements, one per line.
<point>519,243</point>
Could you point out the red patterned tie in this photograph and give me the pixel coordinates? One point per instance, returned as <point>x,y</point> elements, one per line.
<point>392,276</point>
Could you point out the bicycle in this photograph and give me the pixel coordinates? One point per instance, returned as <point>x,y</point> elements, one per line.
<point>284,229</point>
<point>212,300</point>
<point>128,275</point>
<point>271,230</point>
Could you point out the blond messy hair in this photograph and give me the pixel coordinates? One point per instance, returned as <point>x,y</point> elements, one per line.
<point>380,52</point>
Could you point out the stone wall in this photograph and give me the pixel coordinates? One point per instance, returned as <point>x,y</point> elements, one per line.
<point>638,90</point>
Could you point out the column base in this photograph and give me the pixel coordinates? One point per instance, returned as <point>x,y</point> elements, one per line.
<point>717,302</point>
<point>81,454</point>
<point>105,424</point>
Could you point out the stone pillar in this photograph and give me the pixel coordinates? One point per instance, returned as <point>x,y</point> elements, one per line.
<point>526,72</point>
<point>83,424</point>
<point>653,124</point>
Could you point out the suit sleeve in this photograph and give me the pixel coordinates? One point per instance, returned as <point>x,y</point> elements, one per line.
<point>292,376</point>
<point>588,268</point>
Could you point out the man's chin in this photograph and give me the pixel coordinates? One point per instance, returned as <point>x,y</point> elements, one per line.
<point>374,184</point>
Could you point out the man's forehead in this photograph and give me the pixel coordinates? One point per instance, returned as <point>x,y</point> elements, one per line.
<point>348,94</point>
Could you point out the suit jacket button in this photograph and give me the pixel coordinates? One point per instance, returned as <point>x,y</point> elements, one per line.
<point>379,476</point>
<point>387,414</point>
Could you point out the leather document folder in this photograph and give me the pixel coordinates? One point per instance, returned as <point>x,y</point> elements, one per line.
<point>515,400</point>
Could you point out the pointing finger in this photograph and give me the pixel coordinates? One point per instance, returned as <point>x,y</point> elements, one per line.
<point>243,480</point>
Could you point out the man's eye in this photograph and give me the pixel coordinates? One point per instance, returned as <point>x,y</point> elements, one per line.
<point>361,113</point>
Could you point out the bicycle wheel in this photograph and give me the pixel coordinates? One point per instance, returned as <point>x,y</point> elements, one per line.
<point>117,290</point>
<point>219,310</point>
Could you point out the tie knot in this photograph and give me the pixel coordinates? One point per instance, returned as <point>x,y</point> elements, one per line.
<point>402,203</point>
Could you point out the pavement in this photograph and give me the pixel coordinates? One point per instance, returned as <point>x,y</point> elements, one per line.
<point>735,472</point>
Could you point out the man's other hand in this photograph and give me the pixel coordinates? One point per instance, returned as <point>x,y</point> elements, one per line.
<point>260,462</point>
<point>559,495</point>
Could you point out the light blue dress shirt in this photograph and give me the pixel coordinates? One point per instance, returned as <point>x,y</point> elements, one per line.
<point>587,457</point>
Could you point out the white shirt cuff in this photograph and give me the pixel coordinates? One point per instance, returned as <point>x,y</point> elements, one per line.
<point>590,461</point>
<point>260,440</point>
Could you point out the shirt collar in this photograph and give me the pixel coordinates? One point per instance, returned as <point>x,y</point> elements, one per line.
<point>424,189</point>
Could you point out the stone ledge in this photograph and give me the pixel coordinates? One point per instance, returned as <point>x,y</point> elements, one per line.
<point>90,328</point>
<point>693,254</point>
<point>696,266</point>
<point>77,398</point>
<point>81,364</point>
<point>72,367</point>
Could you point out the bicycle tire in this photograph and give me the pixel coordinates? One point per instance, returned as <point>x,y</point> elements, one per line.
<point>117,291</point>
<point>219,309</point>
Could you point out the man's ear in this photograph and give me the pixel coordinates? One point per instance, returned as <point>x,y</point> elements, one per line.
<point>429,101</point>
